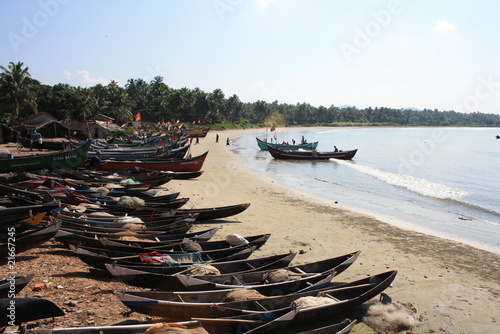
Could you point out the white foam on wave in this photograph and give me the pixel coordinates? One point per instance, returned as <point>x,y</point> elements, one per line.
<point>417,185</point>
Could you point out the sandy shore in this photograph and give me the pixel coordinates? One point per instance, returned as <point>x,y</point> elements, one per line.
<point>453,286</point>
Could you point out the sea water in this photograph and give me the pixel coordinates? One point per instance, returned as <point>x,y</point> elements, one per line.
<point>439,181</point>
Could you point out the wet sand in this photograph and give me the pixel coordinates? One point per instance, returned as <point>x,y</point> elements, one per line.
<point>453,286</point>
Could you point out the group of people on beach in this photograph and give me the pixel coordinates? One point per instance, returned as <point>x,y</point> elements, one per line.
<point>217,139</point>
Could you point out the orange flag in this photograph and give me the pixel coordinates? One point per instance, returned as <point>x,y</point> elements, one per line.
<point>138,117</point>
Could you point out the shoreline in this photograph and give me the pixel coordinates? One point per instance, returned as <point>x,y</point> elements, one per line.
<point>453,286</point>
<point>443,279</point>
<point>387,217</point>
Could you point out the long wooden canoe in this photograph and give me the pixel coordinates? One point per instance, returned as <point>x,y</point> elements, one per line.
<point>307,146</point>
<point>70,159</point>
<point>230,277</point>
<point>310,155</point>
<point>14,285</point>
<point>183,165</point>
<point>344,298</point>
<point>140,272</point>
<point>28,239</point>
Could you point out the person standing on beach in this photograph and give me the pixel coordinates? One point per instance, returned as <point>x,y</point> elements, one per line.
<point>217,138</point>
<point>227,141</point>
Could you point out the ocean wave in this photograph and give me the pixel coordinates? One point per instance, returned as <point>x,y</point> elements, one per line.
<point>417,185</point>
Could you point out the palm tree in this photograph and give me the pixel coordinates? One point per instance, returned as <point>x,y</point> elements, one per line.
<point>17,89</point>
<point>119,103</point>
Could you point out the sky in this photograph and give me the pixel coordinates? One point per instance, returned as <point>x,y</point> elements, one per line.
<point>398,53</point>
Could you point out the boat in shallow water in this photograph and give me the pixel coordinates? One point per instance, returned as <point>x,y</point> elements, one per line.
<point>310,154</point>
<point>305,146</point>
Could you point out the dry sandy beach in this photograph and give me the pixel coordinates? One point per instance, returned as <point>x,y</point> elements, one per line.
<point>453,286</point>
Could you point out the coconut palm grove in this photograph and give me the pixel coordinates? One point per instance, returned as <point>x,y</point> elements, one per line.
<point>21,95</point>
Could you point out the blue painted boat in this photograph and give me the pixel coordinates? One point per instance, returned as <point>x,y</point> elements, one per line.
<point>307,146</point>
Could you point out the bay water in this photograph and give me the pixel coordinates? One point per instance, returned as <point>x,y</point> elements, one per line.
<point>439,181</point>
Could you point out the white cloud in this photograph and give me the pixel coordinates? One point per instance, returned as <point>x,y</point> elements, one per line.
<point>444,26</point>
<point>86,80</point>
<point>67,76</point>
<point>83,78</point>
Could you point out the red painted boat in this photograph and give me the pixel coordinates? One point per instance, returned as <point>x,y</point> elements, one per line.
<point>182,165</point>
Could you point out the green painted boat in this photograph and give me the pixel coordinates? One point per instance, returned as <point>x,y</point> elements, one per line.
<point>70,159</point>
<point>307,146</point>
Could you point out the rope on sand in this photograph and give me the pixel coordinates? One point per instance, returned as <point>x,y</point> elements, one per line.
<point>451,322</point>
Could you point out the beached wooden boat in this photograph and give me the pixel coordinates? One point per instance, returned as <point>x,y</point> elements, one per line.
<point>343,299</point>
<point>310,155</point>
<point>118,219</point>
<point>107,196</point>
<point>12,189</point>
<point>124,234</point>
<point>255,278</point>
<point>214,304</point>
<point>132,230</point>
<point>307,146</point>
<point>77,237</point>
<point>197,132</point>
<point>105,220</point>
<point>182,165</point>
<point>343,327</point>
<point>188,326</point>
<point>12,286</point>
<point>175,175</point>
<point>93,177</point>
<point>29,184</point>
<point>256,241</point>
<point>136,274</point>
<point>27,309</point>
<point>162,202</point>
<point>280,321</point>
<point>231,278</point>
<point>27,239</point>
<point>70,159</point>
<point>117,184</point>
<point>147,207</point>
<point>97,258</point>
<point>179,305</point>
<point>152,154</point>
<point>16,214</point>
<point>216,212</point>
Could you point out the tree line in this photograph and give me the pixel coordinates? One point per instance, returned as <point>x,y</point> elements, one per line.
<point>21,95</point>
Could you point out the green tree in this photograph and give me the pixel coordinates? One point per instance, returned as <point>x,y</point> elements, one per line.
<point>119,103</point>
<point>17,89</point>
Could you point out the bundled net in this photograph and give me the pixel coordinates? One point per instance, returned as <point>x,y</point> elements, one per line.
<point>131,202</point>
<point>241,295</point>
<point>202,270</point>
<point>189,245</point>
<point>235,239</point>
<point>280,275</point>
<point>310,301</point>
